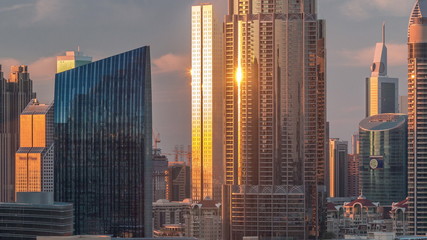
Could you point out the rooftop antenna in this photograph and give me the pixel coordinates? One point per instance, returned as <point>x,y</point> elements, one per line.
<point>78,48</point>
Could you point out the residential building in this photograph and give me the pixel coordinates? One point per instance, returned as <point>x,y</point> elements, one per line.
<point>383,157</point>
<point>338,168</point>
<point>178,180</point>
<point>399,215</point>
<point>357,217</point>
<point>72,59</point>
<point>15,94</point>
<point>417,133</point>
<point>275,119</point>
<point>35,214</point>
<point>167,213</point>
<point>204,220</point>
<point>382,92</point>
<point>34,158</point>
<point>207,101</point>
<point>103,150</point>
<point>353,175</point>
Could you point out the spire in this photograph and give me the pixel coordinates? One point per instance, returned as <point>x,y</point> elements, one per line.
<point>379,65</point>
<point>383,32</point>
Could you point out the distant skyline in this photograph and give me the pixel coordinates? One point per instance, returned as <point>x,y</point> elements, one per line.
<point>34,32</point>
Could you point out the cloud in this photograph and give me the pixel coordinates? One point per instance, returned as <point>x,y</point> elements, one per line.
<point>43,69</point>
<point>363,57</point>
<point>48,10</point>
<point>170,63</point>
<point>363,9</point>
<point>16,7</point>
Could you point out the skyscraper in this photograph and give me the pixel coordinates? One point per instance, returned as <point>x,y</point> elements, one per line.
<point>103,152</point>
<point>353,175</point>
<point>382,92</point>
<point>383,157</point>
<point>275,118</point>
<point>34,158</point>
<point>72,59</point>
<point>338,168</point>
<point>207,101</point>
<point>15,94</point>
<point>417,133</point>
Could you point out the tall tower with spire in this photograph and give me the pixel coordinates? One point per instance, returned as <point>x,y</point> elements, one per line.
<point>382,92</point>
<point>417,119</point>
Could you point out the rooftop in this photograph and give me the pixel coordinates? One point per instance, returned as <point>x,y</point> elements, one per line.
<point>383,122</point>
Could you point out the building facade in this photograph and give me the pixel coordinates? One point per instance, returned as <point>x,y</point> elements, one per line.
<point>34,158</point>
<point>382,92</point>
<point>204,221</point>
<point>167,213</point>
<point>15,94</point>
<point>275,114</point>
<point>103,150</point>
<point>178,180</point>
<point>417,134</point>
<point>160,168</point>
<point>338,168</point>
<point>35,214</point>
<point>207,89</point>
<point>383,157</point>
<point>353,175</point>
<point>72,59</point>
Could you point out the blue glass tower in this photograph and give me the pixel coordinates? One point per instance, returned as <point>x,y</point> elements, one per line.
<point>103,144</point>
<point>384,157</point>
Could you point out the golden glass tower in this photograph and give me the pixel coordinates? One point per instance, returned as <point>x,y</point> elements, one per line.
<point>34,158</point>
<point>206,105</point>
<point>72,59</point>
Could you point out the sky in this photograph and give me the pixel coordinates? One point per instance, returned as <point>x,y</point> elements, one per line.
<point>34,32</point>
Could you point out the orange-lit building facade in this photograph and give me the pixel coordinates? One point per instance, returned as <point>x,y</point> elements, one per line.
<point>207,88</point>
<point>34,158</point>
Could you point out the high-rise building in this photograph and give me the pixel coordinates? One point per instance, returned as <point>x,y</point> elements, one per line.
<point>160,168</point>
<point>178,181</point>
<point>15,94</point>
<point>338,167</point>
<point>72,59</point>
<point>275,117</point>
<point>403,104</point>
<point>382,92</point>
<point>103,150</point>
<point>355,143</point>
<point>383,158</point>
<point>34,158</point>
<point>353,175</point>
<point>417,133</point>
<point>207,102</point>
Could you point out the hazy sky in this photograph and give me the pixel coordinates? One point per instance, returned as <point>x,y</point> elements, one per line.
<point>34,32</point>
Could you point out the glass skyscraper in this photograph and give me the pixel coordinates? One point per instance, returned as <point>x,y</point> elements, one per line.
<point>383,158</point>
<point>103,132</point>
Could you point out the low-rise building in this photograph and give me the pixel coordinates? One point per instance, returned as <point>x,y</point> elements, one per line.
<point>35,214</point>
<point>204,220</point>
<point>167,213</point>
